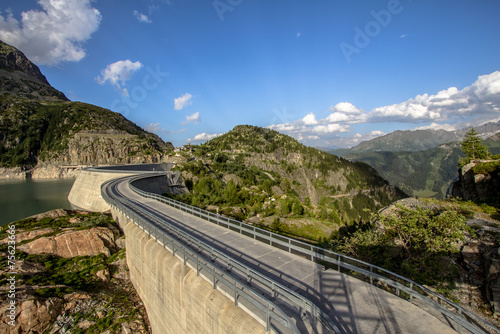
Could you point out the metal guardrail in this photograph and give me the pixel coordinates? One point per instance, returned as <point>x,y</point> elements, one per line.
<point>401,286</point>
<point>271,314</point>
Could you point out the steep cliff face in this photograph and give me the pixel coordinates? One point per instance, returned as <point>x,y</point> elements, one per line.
<point>479,181</point>
<point>41,132</point>
<point>20,76</point>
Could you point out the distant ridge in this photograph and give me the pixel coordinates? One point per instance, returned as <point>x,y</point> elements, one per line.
<point>415,140</point>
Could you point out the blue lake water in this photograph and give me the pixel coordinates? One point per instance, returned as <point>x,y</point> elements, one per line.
<point>23,198</point>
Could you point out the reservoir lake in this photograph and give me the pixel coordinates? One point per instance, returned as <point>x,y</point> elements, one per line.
<point>22,198</point>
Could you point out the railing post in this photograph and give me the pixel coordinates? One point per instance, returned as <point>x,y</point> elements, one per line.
<point>235,294</point>
<point>268,318</point>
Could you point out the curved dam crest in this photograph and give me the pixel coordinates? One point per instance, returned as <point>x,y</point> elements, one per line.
<point>86,191</point>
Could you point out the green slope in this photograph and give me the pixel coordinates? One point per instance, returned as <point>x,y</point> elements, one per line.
<point>426,173</point>
<point>272,180</point>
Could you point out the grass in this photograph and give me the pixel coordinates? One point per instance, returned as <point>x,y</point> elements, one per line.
<point>486,167</point>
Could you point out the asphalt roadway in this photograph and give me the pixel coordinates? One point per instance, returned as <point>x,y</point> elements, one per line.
<point>353,305</point>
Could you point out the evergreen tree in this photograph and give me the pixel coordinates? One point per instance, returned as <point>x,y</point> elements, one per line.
<point>473,147</point>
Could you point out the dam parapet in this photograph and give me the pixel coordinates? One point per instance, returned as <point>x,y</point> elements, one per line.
<point>86,191</point>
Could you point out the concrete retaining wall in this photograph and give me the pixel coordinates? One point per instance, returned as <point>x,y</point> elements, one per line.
<point>86,191</point>
<point>176,299</point>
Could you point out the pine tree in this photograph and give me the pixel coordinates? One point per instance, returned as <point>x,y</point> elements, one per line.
<point>473,147</point>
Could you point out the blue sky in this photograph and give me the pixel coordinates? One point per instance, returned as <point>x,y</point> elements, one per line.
<point>329,73</point>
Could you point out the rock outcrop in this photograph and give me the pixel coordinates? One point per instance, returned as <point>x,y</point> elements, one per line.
<point>480,261</point>
<point>481,187</point>
<point>57,305</point>
<point>18,74</point>
<point>98,240</point>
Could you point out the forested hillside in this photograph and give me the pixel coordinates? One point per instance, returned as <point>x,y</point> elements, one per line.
<point>273,180</point>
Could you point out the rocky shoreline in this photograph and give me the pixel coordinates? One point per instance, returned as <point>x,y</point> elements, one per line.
<point>46,172</point>
<point>69,274</point>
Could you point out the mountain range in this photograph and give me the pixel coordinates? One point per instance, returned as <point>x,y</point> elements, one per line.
<point>422,162</point>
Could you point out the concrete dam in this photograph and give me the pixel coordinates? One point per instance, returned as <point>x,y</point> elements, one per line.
<point>200,272</point>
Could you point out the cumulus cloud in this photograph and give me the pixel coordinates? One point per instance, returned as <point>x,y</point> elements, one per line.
<point>437,126</point>
<point>55,33</point>
<point>480,98</point>
<point>330,128</point>
<point>142,17</point>
<point>449,109</point>
<point>118,73</point>
<point>204,137</point>
<point>192,118</point>
<point>182,101</point>
<point>310,119</point>
<point>154,128</point>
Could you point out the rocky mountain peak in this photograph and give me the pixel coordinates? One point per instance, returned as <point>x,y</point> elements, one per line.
<point>19,76</point>
<point>11,59</point>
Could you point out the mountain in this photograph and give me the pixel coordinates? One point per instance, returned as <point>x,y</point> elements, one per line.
<point>427,173</point>
<point>272,180</point>
<point>41,130</point>
<point>19,76</point>
<point>400,141</point>
<point>421,162</point>
<point>416,140</point>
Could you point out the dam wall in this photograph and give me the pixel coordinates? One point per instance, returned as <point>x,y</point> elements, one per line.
<point>176,299</point>
<point>86,191</point>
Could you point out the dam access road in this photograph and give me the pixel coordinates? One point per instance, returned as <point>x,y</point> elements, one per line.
<point>353,305</point>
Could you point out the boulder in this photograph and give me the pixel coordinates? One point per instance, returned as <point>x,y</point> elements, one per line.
<point>98,240</point>
<point>32,316</point>
<point>23,236</point>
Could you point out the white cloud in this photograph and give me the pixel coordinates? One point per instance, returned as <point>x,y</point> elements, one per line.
<point>204,137</point>
<point>193,118</point>
<point>310,119</point>
<point>154,128</point>
<point>53,34</point>
<point>377,133</point>
<point>345,108</point>
<point>182,101</point>
<point>437,126</point>
<point>449,109</point>
<point>142,17</point>
<point>345,112</point>
<point>480,98</point>
<point>330,128</point>
<point>118,73</point>
<point>298,34</point>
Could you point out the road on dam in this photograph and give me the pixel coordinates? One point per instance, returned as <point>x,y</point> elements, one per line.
<point>353,305</point>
